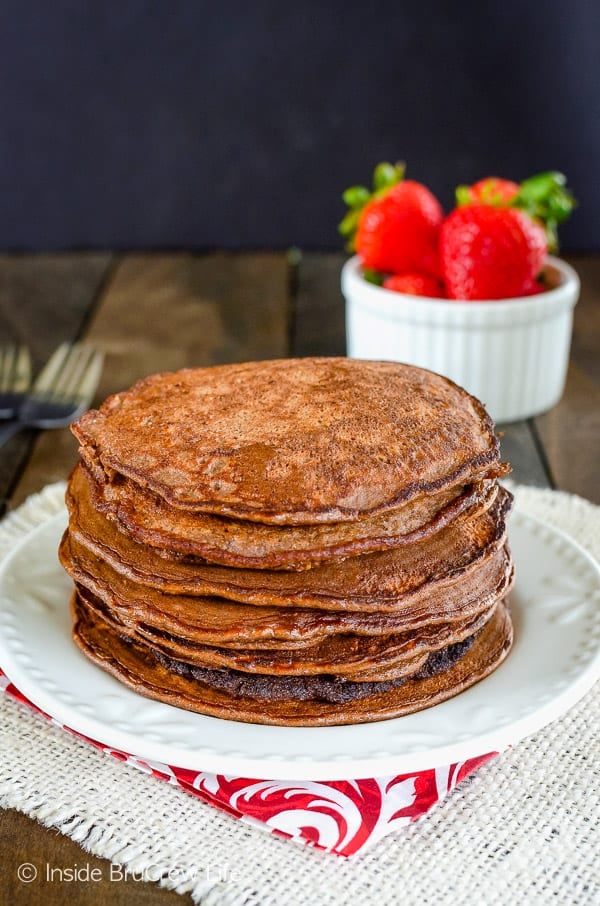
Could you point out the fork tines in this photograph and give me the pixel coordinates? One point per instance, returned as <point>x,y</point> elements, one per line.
<point>71,374</point>
<point>15,368</point>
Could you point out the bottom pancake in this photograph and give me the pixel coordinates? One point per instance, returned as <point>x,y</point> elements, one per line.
<point>220,693</point>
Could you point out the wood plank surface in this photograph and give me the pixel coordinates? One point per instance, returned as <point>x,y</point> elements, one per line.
<point>44,299</point>
<point>318,306</point>
<point>25,841</point>
<point>163,312</point>
<point>519,447</point>
<point>570,432</point>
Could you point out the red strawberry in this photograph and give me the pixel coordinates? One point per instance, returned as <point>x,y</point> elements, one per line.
<point>491,253</point>
<point>396,228</point>
<point>399,232</point>
<point>544,197</point>
<point>491,190</point>
<point>415,285</point>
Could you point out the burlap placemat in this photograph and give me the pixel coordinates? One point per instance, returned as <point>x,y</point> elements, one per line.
<point>520,830</point>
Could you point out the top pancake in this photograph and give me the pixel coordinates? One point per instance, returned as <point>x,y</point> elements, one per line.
<point>292,441</point>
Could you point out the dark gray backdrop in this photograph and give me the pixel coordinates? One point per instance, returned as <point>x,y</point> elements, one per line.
<point>237,124</point>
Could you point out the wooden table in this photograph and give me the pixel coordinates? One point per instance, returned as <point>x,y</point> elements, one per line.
<point>153,312</point>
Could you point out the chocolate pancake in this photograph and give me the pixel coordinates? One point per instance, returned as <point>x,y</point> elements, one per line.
<point>330,689</point>
<point>148,519</point>
<point>401,579</point>
<point>293,701</point>
<point>344,654</point>
<point>229,624</point>
<point>292,441</point>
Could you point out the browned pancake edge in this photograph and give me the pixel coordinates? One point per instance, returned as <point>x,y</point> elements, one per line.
<point>147,519</point>
<point>140,670</point>
<point>292,441</point>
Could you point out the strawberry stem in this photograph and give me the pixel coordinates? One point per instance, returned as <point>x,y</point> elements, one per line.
<point>463,195</point>
<point>385,176</point>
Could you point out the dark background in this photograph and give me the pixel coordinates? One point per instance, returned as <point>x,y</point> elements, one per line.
<point>237,124</point>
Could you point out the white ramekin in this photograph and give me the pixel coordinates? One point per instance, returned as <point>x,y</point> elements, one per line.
<point>512,354</point>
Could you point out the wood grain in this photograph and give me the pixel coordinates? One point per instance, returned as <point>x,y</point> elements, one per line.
<point>519,448</point>
<point>23,840</point>
<point>164,312</point>
<point>570,432</point>
<point>318,326</point>
<point>569,435</point>
<point>44,299</point>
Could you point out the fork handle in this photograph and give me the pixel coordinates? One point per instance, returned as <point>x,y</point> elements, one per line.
<point>9,429</point>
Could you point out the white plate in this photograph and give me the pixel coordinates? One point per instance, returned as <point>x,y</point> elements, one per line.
<point>554,661</point>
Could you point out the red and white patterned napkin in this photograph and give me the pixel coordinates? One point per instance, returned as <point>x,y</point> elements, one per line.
<point>338,816</point>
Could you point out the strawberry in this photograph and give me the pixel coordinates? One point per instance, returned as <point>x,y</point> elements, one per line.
<point>415,284</point>
<point>395,228</point>
<point>490,252</point>
<point>491,190</point>
<point>544,197</point>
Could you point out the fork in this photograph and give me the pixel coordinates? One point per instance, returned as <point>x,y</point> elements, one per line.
<point>62,391</point>
<point>15,378</point>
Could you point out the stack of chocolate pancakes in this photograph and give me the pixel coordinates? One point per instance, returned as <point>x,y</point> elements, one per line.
<point>296,542</point>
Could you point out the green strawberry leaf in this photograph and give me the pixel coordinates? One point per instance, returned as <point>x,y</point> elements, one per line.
<point>372,276</point>
<point>385,176</point>
<point>348,225</point>
<point>539,187</point>
<point>356,196</point>
<point>546,198</point>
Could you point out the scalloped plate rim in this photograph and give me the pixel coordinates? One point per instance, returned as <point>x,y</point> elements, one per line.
<point>301,766</point>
